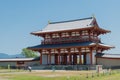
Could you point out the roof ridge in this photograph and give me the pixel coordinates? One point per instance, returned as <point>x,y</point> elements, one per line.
<point>70,20</point>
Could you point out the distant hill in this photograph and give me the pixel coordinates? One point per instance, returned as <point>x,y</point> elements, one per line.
<point>4,55</point>
<point>17,55</point>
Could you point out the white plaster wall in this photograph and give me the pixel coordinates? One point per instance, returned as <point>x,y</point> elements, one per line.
<point>33,63</point>
<point>88,58</point>
<point>93,57</point>
<point>52,59</point>
<point>44,59</point>
<point>108,62</point>
<point>6,63</point>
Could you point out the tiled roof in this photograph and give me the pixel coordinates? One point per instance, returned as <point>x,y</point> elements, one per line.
<point>68,25</point>
<point>64,45</point>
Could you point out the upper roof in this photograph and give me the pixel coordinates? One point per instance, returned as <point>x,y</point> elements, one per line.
<point>67,25</point>
<point>78,24</point>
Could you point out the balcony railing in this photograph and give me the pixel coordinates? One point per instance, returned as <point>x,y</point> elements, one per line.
<point>69,40</point>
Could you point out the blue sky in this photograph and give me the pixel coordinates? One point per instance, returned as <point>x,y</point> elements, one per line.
<point>20,17</point>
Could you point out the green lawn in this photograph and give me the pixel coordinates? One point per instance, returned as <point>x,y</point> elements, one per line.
<point>59,75</point>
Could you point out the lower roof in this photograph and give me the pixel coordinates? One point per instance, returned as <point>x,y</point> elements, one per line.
<point>67,45</point>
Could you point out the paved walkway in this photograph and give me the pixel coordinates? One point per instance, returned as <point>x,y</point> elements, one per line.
<point>3,79</point>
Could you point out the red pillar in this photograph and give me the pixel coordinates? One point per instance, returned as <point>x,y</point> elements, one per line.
<point>75,58</point>
<point>40,56</point>
<point>91,60</point>
<point>58,57</point>
<point>61,59</point>
<point>84,58</point>
<point>80,58</point>
<point>89,35</point>
<point>69,60</point>
<point>65,57</point>
<point>49,57</point>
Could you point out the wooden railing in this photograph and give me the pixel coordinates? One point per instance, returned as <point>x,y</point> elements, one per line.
<point>69,40</point>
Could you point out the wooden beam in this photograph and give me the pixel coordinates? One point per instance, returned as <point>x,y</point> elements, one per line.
<point>49,57</point>
<point>84,58</point>
<point>91,59</point>
<point>80,58</point>
<point>69,58</point>
<point>40,56</point>
<point>58,56</point>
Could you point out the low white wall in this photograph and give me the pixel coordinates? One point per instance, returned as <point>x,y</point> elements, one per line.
<point>108,62</point>
<point>32,63</point>
<point>7,63</point>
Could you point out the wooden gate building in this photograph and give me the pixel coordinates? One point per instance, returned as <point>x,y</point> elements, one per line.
<point>70,42</point>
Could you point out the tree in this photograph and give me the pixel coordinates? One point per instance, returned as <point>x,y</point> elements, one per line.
<point>29,53</point>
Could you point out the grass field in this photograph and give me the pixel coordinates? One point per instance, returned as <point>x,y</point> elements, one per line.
<point>57,75</point>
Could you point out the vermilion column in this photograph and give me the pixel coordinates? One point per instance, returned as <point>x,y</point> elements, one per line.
<point>80,58</point>
<point>58,57</point>
<point>84,58</point>
<point>91,60</point>
<point>40,56</point>
<point>49,57</point>
<point>69,60</point>
<point>73,59</point>
<point>65,57</point>
<point>75,55</point>
<point>89,35</point>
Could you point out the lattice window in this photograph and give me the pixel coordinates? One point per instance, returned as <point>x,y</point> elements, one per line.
<point>44,51</point>
<point>91,33</point>
<point>65,34</point>
<point>55,35</point>
<point>47,36</point>
<point>76,50</point>
<point>64,50</point>
<point>75,34</point>
<point>84,32</point>
<point>85,49</point>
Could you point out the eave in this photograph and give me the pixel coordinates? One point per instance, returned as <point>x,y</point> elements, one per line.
<point>71,45</point>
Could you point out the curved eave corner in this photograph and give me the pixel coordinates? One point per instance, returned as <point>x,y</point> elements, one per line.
<point>102,45</point>
<point>105,31</point>
<point>36,33</point>
<point>101,30</point>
